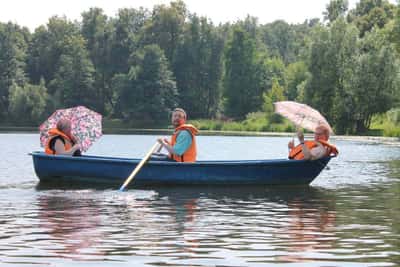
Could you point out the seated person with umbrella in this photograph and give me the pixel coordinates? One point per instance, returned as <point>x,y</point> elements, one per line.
<point>61,141</point>
<point>313,149</point>
<point>308,118</point>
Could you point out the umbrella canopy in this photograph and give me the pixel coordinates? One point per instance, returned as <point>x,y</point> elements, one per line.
<point>301,115</point>
<point>85,125</point>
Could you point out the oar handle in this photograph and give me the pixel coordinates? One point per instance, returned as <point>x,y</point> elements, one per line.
<point>138,167</point>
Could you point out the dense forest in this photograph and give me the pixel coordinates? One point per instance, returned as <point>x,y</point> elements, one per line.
<point>138,65</point>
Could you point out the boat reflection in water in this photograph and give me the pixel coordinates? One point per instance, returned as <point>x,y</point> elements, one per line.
<point>72,222</point>
<point>180,224</point>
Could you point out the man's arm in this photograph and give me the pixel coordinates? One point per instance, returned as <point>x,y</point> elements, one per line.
<point>183,142</point>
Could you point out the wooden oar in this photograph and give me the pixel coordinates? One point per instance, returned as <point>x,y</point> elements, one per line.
<point>138,167</point>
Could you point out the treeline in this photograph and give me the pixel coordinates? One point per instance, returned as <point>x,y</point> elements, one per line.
<point>141,63</point>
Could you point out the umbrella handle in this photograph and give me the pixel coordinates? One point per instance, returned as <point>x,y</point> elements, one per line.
<point>139,166</point>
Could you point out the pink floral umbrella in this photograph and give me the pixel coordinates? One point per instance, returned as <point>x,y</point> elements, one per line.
<point>301,115</point>
<point>85,125</point>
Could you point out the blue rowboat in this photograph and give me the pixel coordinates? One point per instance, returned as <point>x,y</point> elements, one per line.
<point>100,170</point>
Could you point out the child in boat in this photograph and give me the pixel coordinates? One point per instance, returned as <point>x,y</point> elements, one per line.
<point>315,149</point>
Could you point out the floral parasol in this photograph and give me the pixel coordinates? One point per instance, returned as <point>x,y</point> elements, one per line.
<point>85,125</point>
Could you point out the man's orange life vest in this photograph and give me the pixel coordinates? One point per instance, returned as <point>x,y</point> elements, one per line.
<point>297,151</point>
<point>191,153</point>
<point>56,133</point>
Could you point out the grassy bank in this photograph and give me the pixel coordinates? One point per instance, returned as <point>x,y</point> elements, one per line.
<point>386,125</point>
<point>255,124</point>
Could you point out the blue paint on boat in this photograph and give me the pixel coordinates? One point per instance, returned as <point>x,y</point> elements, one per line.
<point>96,170</point>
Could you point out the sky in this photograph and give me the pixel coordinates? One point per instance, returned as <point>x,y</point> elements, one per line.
<point>32,14</point>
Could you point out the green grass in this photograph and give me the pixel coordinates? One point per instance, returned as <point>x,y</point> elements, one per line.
<point>254,122</point>
<point>387,124</point>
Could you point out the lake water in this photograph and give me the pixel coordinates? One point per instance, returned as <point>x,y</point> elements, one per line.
<point>349,216</point>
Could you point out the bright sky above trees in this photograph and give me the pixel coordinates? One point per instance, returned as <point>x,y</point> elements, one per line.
<point>34,13</point>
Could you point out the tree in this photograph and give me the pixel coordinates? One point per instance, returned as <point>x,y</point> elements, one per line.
<point>274,95</point>
<point>295,74</point>
<point>28,102</point>
<point>98,32</point>
<point>331,63</point>
<point>395,34</point>
<point>47,45</point>
<point>199,68</point>
<point>148,92</point>
<point>165,28</point>
<point>126,35</point>
<point>274,70</point>
<point>371,13</point>
<point>12,61</point>
<point>376,82</point>
<point>73,80</point>
<point>336,9</point>
<point>244,75</point>
<point>348,52</point>
<point>280,40</point>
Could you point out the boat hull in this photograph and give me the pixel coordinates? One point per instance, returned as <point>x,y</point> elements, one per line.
<point>94,170</point>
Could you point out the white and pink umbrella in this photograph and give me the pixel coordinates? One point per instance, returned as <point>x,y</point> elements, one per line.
<point>85,125</point>
<point>301,115</point>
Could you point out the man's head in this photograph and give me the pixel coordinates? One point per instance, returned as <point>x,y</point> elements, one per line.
<point>64,125</point>
<point>321,133</point>
<point>178,117</point>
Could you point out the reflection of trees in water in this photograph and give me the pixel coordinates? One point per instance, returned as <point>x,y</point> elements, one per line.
<point>72,223</point>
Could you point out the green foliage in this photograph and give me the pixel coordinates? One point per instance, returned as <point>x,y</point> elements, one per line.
<point>73,79</point>
<point>331,65</point>
<point>126,34</point>
<point>395,34</point>
<point>371,13</point>
<point>273,70</point>
<point>274,95</point>
<point>255,122</point>
<point>336,9</point>
<point>376,80</point>
<point>244,75</point>
<point>388,124</point>
<point>98,33</point>
<point>295,75</point>
<point>198,68</point>
<point>279,37</point>
<point>393,116</point>
<point>12,61</point>
<point>165,27</point>
<point>46,48</point>
<point>148,92</point>
<point>27,102</point>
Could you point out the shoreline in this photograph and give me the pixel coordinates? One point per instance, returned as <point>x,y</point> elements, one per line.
<point>127,131</point>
